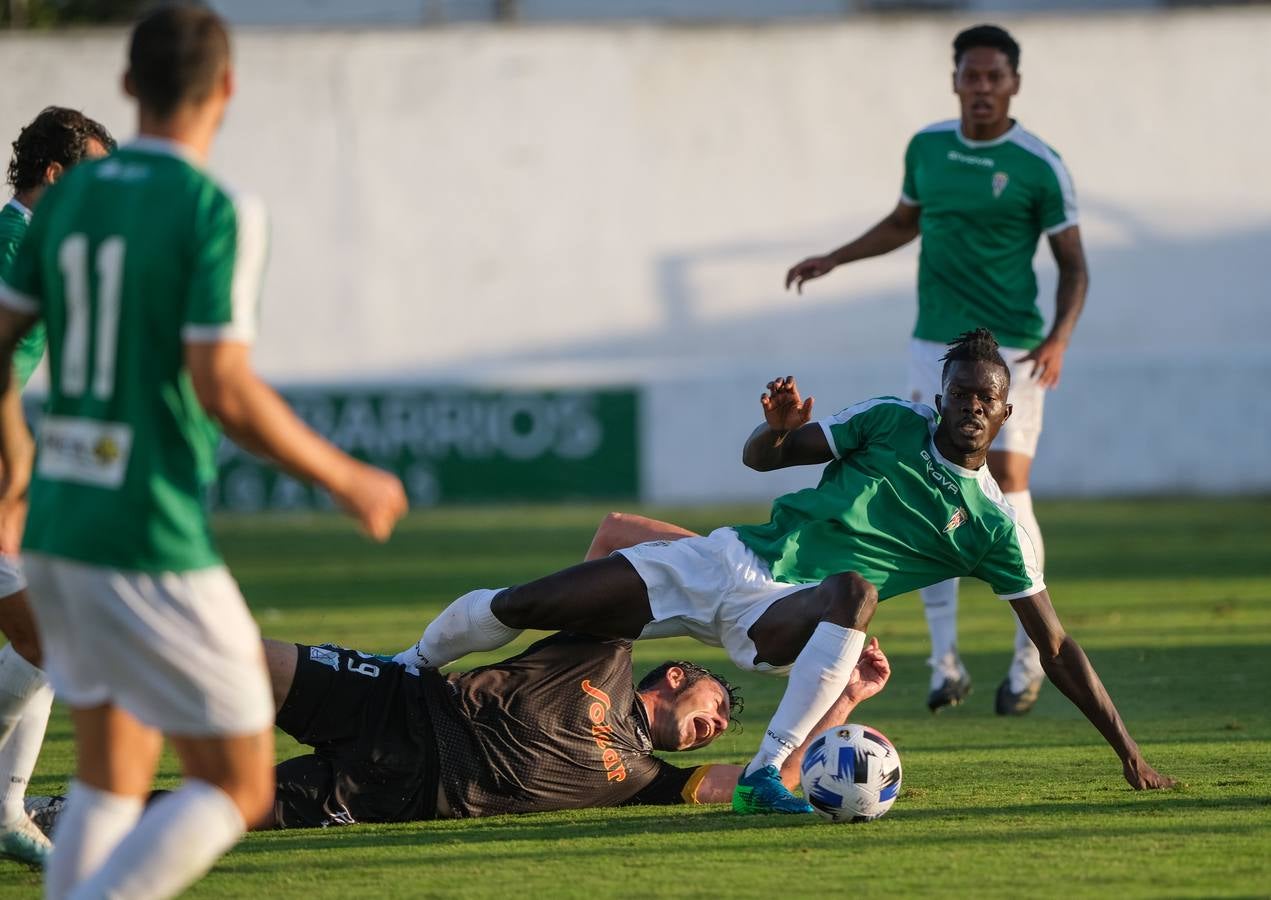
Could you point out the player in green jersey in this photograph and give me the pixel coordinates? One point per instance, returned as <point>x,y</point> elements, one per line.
<point>981,191</point>
<point>906,500</point>
<point>146,272</point>
<point>55,140</point>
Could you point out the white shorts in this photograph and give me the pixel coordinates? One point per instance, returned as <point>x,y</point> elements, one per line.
<point>177,650</point>
<point>712,588</point>
<point>11,578</point>
<point>1027,397</point>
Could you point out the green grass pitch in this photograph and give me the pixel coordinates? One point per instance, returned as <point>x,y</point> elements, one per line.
<point>1171,599</point>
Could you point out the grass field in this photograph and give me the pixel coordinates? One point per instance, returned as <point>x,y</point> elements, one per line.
<point>1171,599</point>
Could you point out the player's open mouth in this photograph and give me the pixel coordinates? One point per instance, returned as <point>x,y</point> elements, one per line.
<point>970,426</point>
<point>701,729</point>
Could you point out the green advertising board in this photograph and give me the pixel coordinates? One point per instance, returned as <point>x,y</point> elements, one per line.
<point>452,445</point>
<point>457,445</point>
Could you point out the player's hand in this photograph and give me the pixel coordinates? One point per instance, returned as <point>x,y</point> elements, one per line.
<point>783,409</point>
<point>1143,777</point>
<point>1048,362</point>
<point>870,675</point>
<point>374,497</point>
<point>812,267</point>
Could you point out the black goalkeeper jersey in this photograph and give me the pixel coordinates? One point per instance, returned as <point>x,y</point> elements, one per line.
<point>556,727</point>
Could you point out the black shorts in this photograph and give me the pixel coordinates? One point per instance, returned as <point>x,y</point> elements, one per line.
<point>375,756</point>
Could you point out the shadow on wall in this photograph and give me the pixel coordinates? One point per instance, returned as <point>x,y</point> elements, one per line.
<point>1190,301</point>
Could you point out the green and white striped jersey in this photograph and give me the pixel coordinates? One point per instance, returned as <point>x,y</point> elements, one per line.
<point>126,260</point>
<point>984,206</point>
<point>893,509</point>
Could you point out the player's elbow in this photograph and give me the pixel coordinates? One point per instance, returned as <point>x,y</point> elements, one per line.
<point>221,376</point>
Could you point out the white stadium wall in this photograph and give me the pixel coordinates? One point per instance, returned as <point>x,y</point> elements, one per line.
<point>617,205</point>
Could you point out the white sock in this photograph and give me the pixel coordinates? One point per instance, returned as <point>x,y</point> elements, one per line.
<point>25,701</point>
<point>1026,665</point>
<point>19,680</point>
<point>940,603</point>
<point>91,825</point>
<point>465,626</point>
<point>818,677</point>
<point>177,840</point>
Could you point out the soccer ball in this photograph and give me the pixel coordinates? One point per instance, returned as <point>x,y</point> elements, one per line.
<point>851,773</point>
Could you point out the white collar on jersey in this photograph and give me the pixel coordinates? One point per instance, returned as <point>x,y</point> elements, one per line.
<point>1000,139</point>
<point>149,144</point>
<point>26,213</point>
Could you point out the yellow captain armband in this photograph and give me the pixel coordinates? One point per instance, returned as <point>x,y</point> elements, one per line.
<point>689,794</point>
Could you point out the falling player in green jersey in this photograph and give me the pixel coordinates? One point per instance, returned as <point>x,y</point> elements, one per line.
<point>905,501</point>
<point>145,272</point>
<point>56,139</point>
<point>981,191</point>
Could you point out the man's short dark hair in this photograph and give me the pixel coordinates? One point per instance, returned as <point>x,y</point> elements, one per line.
<point>176,55</point>
<point>974,346</point>
<point>694,673</point>
<point>986,36</point>
<point>57,135</point>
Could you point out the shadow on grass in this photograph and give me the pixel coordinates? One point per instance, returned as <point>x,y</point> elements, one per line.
<point>1107,818</point>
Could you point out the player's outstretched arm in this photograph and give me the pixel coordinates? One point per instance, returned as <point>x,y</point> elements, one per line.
<point>621,530</point>
<point>787,436</point>
<point>1069,669</point>
<point>870,676</point>
<point>256,418</point>
<point>897,229</point>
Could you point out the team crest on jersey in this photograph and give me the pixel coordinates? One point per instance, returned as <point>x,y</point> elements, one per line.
<point>958,518</point>
<point>1000,181</point>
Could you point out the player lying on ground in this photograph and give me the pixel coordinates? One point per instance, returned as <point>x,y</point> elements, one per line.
<point>905,501</point>
<point>561,726</point>
<point>55,141</point>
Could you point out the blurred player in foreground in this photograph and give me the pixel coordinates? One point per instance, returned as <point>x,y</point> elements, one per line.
<point>55,140</point>
<point>905,501</point>
<point>981,191</point>
<point>559,726</point>
<point>146,274</point>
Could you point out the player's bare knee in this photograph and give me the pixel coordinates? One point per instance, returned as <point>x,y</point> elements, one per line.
<point>515,606</point>
<point>851,600</point>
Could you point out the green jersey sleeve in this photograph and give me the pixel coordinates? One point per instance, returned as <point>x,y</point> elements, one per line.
<point>870,421</point>
<point>22,288</point>
<point>229,261</point>
<point>1057,206</point>
<point>1011,567</point>
<point>909,187</point>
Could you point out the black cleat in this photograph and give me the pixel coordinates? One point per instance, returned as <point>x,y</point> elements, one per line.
<point>1010,703</point>
<point>951,692</point>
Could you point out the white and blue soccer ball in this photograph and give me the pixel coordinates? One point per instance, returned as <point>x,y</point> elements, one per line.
<point>851,773</point>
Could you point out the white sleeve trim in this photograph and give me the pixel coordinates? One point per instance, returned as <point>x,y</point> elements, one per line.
<point>1062,226</point>
<point>17,301</point>
<point>844,416</point>
<point>829,438</point>
<point>1037,588</point>
<point>230,333</point>
<point>249,265</point>
<point>907,200</point>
